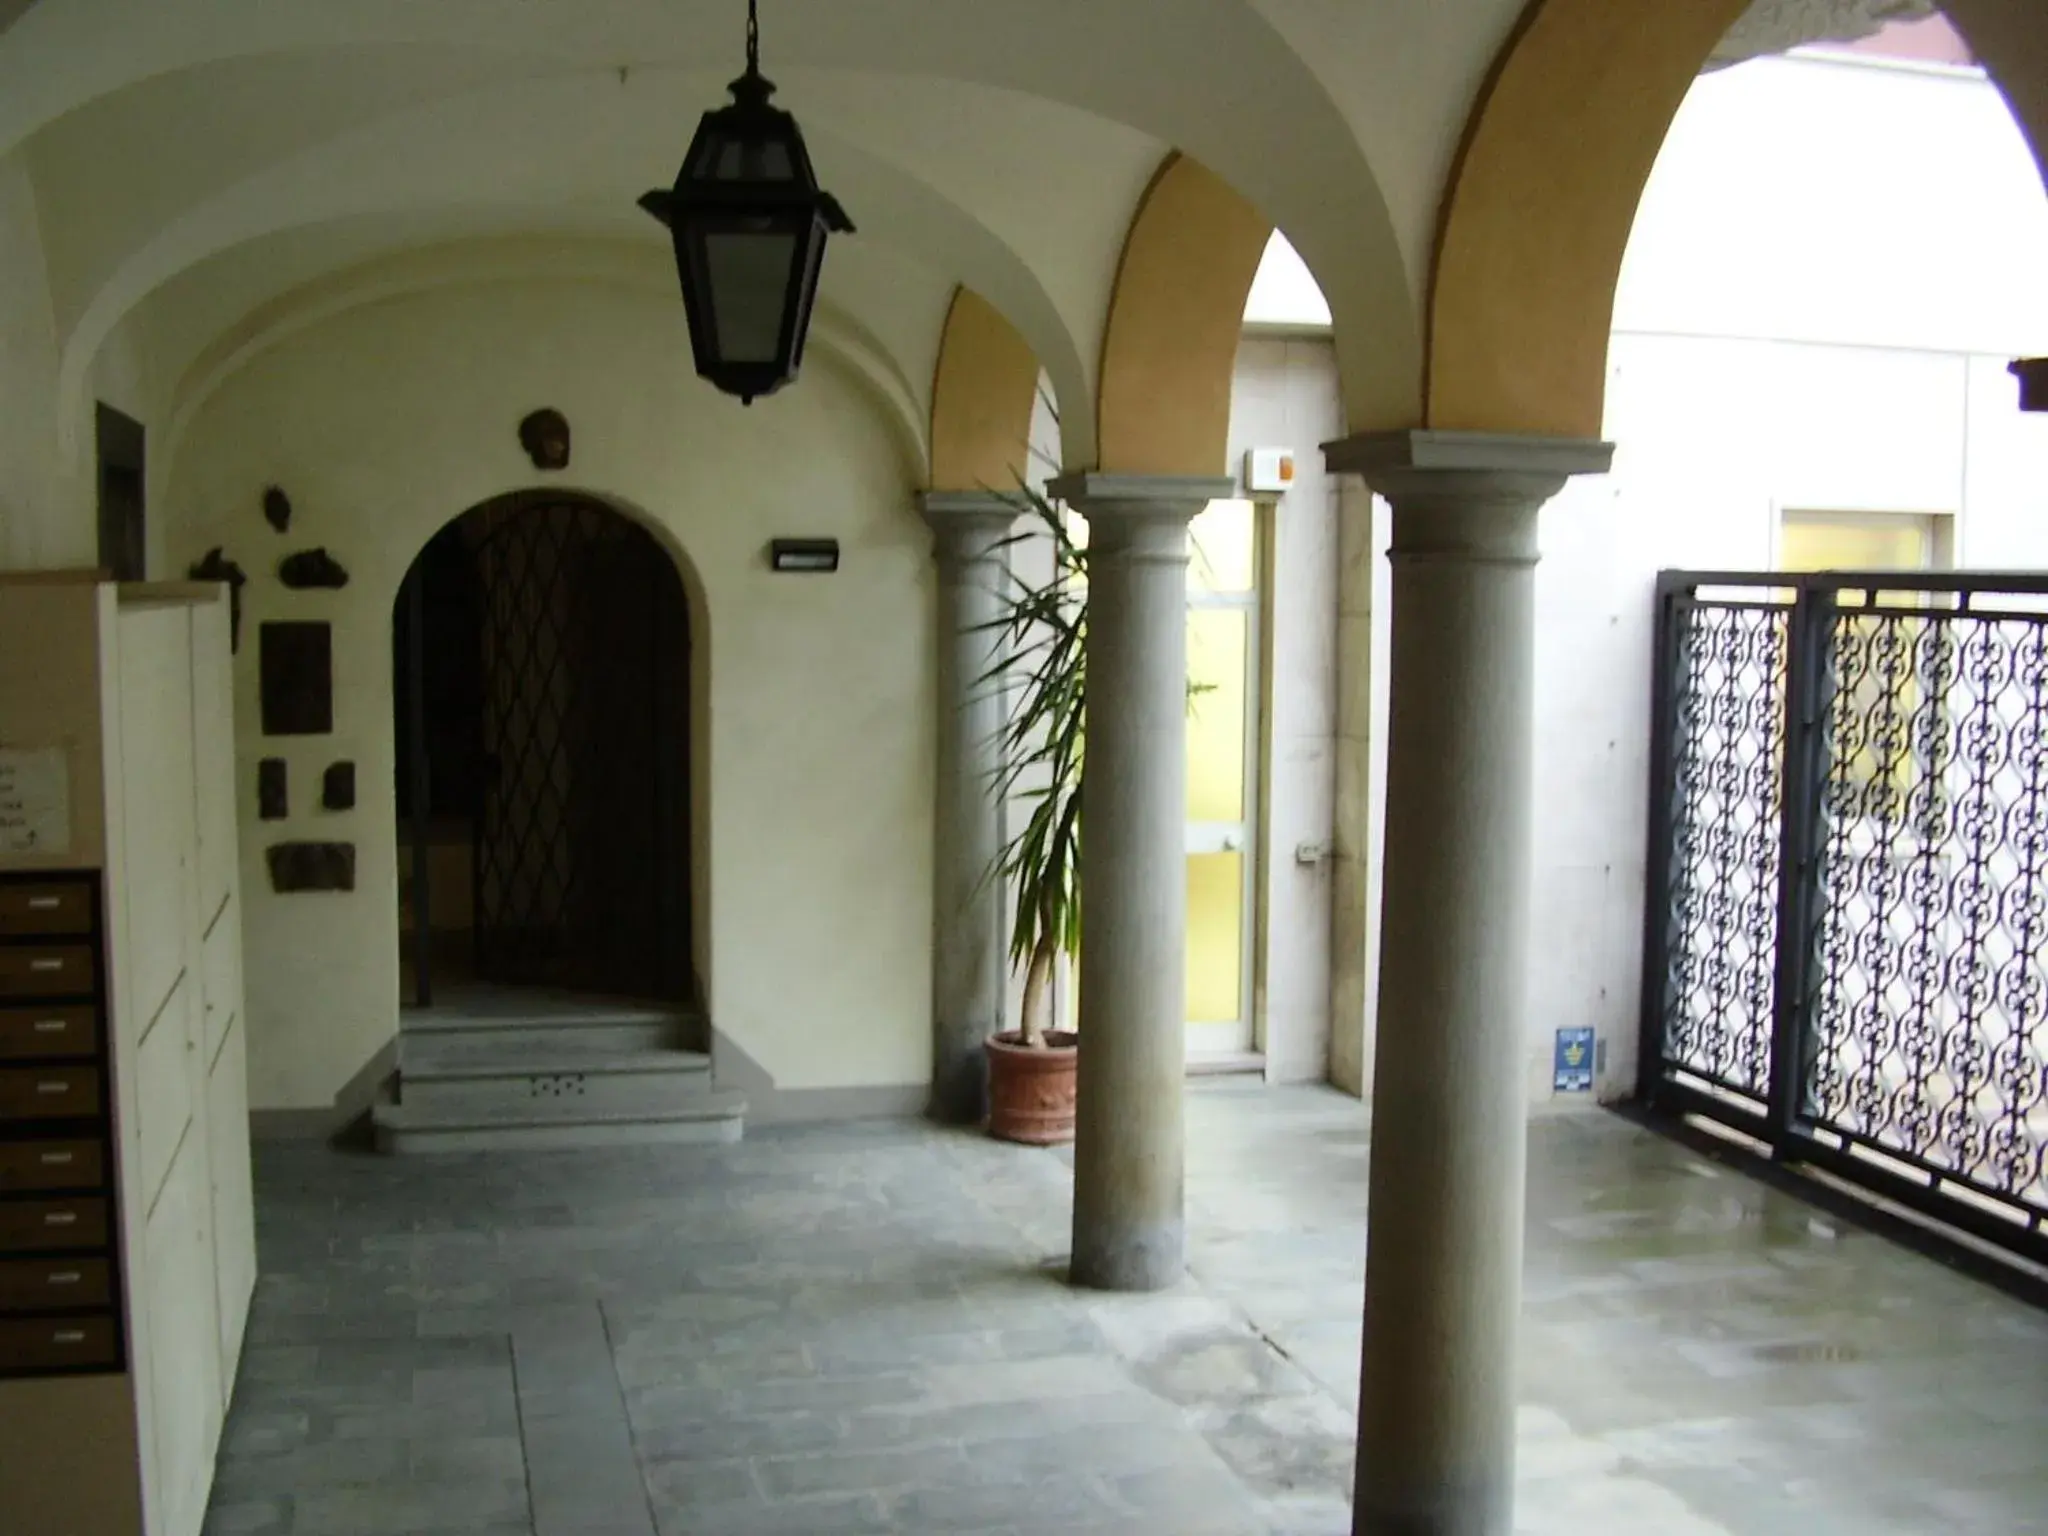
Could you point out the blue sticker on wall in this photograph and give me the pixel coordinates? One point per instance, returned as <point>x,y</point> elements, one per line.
<point>1574,1064</point>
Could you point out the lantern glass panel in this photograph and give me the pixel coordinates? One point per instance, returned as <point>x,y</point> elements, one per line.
<point>748,272</point>
<point>745,160</point>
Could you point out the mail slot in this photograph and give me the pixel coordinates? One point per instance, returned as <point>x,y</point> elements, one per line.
<point>27,1166</point>
<point>39,908</point>
<point>57,1343</point>
<point>53,1226</point>
<point>46,970</point>
<point>38,1034</point>
<point>54,1285</point>
<point>49,1093</point>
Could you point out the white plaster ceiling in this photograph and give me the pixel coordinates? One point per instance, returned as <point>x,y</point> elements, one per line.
<point>216,154</point>
<point>197,161</point>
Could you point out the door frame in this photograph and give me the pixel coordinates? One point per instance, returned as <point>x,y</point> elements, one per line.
<point>1242,836</point>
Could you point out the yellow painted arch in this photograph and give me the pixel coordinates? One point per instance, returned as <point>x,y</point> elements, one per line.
<point>1169,351</point>
<point>1545,191</point>
<point>982,399</point>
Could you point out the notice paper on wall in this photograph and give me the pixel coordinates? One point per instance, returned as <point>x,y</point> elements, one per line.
<point>35,801</point>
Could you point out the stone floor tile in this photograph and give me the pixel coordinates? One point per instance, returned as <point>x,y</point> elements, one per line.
<point>232,1514</point>
<point>860,1515</point>
<point>1057,1501</point>
<point>722,1439</point>
<point>866,1329</point>
<point>855,1472</point>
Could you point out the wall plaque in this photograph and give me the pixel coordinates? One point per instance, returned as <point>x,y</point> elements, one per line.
<point>298,679</point>
<point>273,790</point>
<point>338,787</point>
<point>300,867</point>
<point>35,800</point>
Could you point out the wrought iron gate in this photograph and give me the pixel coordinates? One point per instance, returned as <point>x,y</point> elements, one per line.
<point>582,844</point>
<point>1846,947</point>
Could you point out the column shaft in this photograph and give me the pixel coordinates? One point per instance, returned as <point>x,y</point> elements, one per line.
<point>967,953</point>
<point>1436,1429</point>
<point>1443,1270</point>
<point>1129,1142</point>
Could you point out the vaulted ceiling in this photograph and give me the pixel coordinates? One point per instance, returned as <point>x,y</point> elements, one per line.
<point>195,161</point>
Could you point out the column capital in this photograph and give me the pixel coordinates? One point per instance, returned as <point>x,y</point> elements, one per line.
<point>969,513</point>
<point>1478,464</point>
<point>1140,498</point>
<point>1466,495</point>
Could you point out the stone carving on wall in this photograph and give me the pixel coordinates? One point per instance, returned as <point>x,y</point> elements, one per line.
<point>217,567</point>
<point>273,795</point>
<point>545,437</point>
<point>1774,26</point>
<point>296,666</point>
<point>297,867</point>
<point>311,569</point>
<point>338,787</point>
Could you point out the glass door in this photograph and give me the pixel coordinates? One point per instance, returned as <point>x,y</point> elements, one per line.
<point>1222,793</point>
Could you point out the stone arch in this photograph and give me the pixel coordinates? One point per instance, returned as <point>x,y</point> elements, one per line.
<point>1543,198</point>
<point>1169,350</point>
<point>983,395</point>
<point>692,962</point>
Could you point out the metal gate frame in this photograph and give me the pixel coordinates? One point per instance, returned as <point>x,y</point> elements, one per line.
<point>1807,679</point>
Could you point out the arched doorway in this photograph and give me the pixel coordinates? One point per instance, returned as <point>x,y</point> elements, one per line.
<point>541,648</point>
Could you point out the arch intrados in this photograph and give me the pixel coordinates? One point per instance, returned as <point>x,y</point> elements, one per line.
<point>1543,197</point>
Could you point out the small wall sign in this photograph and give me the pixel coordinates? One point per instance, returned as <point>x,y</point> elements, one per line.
<point>808,556</point>
<point>1573,1071</point>
<point>35,800</point>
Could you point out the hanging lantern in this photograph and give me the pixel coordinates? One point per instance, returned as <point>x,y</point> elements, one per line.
<point>749,225</point>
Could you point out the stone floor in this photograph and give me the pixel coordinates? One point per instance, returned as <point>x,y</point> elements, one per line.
<point>861,1329</point>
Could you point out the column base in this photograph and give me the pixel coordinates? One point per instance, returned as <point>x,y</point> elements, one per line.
<point>959,1087</point>
<point>1481,1511</point>
<point>1152,1259</point>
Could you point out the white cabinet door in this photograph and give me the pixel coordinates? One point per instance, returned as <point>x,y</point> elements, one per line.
<point>220,972</point>
<point>167,1083</point>
<point>185,1411</point>
<point>213,748</point>
<point>234,1207</point>
<point>157,806</point>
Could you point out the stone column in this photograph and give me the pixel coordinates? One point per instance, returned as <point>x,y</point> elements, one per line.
<point>967,912</point>
<point>1436,1426</point>
<point>1128,1149</point>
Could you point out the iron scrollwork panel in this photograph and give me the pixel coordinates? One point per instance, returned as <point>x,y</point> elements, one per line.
<point>1929,992</point>
<point>1725,828</point>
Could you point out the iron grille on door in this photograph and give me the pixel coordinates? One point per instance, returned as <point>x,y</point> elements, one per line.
<point>1847,927</point>
<point>582,849</point>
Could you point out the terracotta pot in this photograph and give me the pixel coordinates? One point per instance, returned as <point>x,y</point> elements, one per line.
<point>1031,1093</point>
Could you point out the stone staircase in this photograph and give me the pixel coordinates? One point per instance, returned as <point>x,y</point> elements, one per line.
<point>489,1070</point>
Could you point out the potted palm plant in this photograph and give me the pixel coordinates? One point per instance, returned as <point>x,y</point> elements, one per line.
<point>1043,634</point>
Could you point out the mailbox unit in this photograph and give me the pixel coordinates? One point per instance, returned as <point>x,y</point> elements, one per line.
<point>127,1245</point>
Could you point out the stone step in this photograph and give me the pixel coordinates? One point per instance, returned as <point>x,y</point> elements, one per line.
<point>541,1025</point>
<point>473,1075</point>
<point>708,1117</point>
<point>489,1042</point>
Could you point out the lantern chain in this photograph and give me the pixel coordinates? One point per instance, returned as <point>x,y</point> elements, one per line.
<point>753,37</point>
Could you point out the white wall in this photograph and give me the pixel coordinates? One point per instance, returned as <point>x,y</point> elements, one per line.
<point>1285,395</point>
<point>387,422</point>
<point>1833,264</point>
<point>41,498</point>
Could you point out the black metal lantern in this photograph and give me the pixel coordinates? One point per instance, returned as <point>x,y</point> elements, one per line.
<point>750,226</point>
